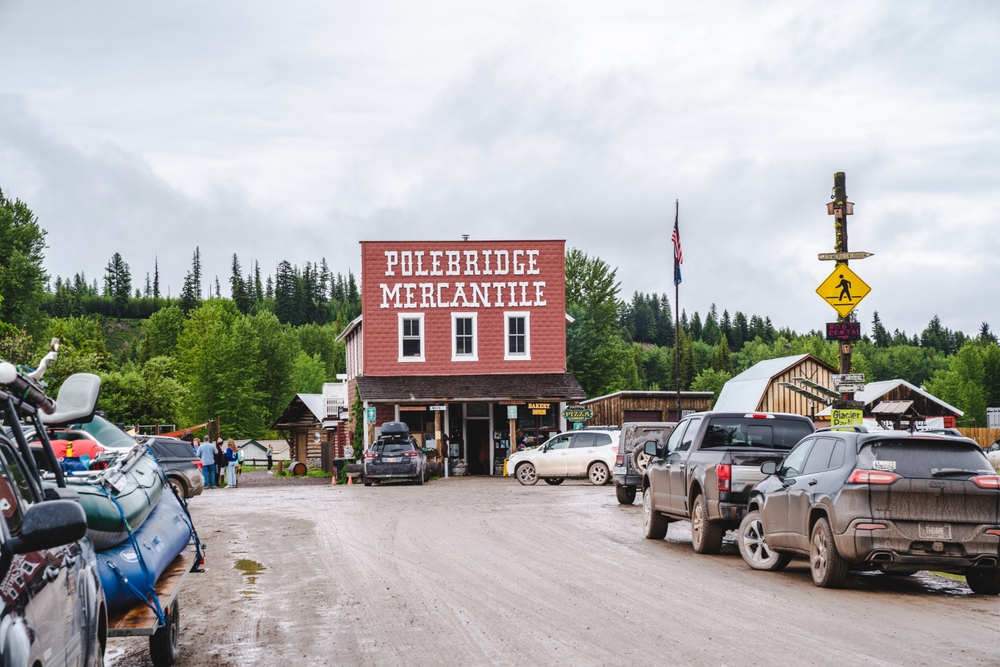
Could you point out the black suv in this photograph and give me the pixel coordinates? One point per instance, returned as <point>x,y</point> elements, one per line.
<point>395,455</point>
<point>892,501</point>
<point>182,465</point>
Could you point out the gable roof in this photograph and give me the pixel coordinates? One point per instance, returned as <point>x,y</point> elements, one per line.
<point>355,323</point>
<point>875,390</point>
<point>299,405</point>
<point>745,391</point>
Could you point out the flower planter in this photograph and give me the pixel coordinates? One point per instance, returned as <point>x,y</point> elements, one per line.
<point>460,471</point>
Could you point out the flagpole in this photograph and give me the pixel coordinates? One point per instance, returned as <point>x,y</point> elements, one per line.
<point>677,313</point>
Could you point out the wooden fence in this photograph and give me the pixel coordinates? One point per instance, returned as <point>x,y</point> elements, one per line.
<point>984,436</point>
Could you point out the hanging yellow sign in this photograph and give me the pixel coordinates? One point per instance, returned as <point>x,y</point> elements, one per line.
<point>843,289</point>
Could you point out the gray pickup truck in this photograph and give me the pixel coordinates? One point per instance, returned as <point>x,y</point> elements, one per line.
<point>706,468</point>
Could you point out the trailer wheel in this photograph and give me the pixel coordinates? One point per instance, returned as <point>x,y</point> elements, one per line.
<point>163,644</point>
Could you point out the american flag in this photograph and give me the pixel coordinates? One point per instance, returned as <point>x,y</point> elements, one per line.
<point>678,255</point>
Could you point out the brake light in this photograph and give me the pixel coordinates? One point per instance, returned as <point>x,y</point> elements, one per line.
<point>871,526</point>
<point>872,477</point>
<point>993,531</point>
<point>411,453</point>
<point>758,415</point>
<point>370,454</point>
<point>197,462</point>
<point>725,474</point>
<point>987,481</point>
<point>620,460</point>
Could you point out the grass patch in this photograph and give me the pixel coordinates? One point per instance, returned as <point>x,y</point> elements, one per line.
<point>949,575</point>
<point>318,472</point>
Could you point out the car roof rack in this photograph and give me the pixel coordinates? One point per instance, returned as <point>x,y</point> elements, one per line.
<point>855,428</point>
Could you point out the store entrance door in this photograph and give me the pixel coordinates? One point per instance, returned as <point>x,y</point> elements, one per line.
<point>477,432</point>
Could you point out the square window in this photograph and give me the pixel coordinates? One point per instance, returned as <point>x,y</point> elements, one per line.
<point>518,336</point>
<point>411,337</point>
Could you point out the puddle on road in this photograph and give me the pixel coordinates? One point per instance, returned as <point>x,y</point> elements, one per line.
<point>250,569</point>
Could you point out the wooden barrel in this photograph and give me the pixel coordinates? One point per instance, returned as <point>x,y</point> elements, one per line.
<point>296,467</point>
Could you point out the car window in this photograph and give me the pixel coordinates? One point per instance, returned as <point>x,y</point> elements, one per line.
<point>562,442</point>
<point>674,441</point>
<point>749,432</point>
<point>689,434</point>
<point>11,497</point>
<point>392,447</point>
<point>819,456</point>
<point>581,440</point>
<point>837,458</point>
<point>176,449</point>
<point>793,462</point>
<point>602,439</point>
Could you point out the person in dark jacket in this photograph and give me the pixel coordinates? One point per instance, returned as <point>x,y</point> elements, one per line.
<point>220,463</point>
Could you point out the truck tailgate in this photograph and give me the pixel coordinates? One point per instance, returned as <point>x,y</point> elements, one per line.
<point>746,467</point>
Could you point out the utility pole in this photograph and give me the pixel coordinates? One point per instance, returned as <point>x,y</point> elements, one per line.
<point>841,209</point>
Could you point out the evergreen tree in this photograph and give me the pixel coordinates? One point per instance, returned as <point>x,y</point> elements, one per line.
<point>880,337</point>
<point>696,326</point>
<point>354,296</point>
<point>741,331</point>
<point>238,288</point>
<point>148,291</point>
<point>190,296</point>
<point>258,290</point>
<point>118,283</point>
<point>726,327</point>
<point>196,272</point>
<point>156,277</point>
<point>985,335</point>
<point>689,362</point>
<point>721,360</point>
<point>287,306</point>
<point>665,325</point>
<point>269,293</point>
<point>710,332</point>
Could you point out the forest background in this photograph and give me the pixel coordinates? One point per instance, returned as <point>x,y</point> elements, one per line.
<point>241,358</point>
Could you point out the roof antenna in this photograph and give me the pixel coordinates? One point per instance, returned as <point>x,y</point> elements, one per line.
<point>465,237</point>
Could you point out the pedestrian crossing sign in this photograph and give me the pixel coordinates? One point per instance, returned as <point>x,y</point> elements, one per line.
<point>843,289</point>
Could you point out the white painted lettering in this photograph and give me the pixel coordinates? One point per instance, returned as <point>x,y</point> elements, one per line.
<point>472,262</point>
<point>441,299</point>
<point>454,263</point>
<point>460,292</point>
<point>506,262</point>
<point>427,295</point>
<point>409,287</point>
<point>539,301</point>
<point>525,301</point>
<point>389,294</point>
<point>481,292</point>
<point>421,271</point>
<point>518,266</point>
<point>406,263</point>
<point>532,266</point>
<point>499,288</point>
<point>391,260</point>
<point>513,299</point>
<point>436,263</point>
<point>486,262</point>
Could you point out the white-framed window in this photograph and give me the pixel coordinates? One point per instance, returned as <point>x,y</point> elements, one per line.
<point>411,336</point>
<point>465,336</point>
<point>517,336</point>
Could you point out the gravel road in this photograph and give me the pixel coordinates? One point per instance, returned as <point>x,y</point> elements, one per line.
<point>480,571</point>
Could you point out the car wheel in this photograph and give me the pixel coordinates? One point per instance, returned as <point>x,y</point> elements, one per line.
<point>179,487</point>
<point>525,474</point>
<point>754,549</point>
<point>654,524</point>
<point>419,479</point>
<point>554,481</point>
<point>706,536</point>
<point>983,582</point>
<point>598,473</point>
<point>828,569</point>
<point>163,643</point>
<point>625,494</point>
<point>368,482</point>
<point>639,460</point>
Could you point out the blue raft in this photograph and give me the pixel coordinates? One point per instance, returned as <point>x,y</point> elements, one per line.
<point>162,536</point>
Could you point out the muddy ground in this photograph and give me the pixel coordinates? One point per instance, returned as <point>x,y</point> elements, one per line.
<point>479,571</point>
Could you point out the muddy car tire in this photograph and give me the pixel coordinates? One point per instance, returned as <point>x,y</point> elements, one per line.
<point>419,479</point>
<point>654,524</point>
<point>706,536</point>
<point>639,460</point>
<point>625,494</point>
<point>179,486</point>
<point>828,569</point>
<point>368,482</point>
<point>754,549</point>
<point>599,474</point>
<point>554,481</point>
<point>526,474</point>
<point>983,583</point>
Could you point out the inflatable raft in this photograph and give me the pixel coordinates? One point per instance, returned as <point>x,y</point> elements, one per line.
<point>136,483</point>
<point>163,535</point>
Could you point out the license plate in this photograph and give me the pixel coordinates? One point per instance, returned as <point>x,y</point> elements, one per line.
<point>392,460</point>
<point>934,531</point>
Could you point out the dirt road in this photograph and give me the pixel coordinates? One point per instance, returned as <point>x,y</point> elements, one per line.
<point>486,572</point>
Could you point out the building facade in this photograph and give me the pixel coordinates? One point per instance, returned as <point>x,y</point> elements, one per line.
<point>459,338</point>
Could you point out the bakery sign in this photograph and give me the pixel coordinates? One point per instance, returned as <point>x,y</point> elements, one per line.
<point>478,278</point>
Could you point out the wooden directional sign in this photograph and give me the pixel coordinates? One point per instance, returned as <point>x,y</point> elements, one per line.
<point>844,256</point>
<point>843,289</point>
<point>848,378</point>
<point>849,388</point>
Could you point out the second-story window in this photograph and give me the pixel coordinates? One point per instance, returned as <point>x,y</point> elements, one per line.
<point>411,337</point>
<point>463,332</point>
<point>518,336</point>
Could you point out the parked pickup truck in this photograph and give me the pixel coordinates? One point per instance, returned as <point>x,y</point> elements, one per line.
<point>706,468</point>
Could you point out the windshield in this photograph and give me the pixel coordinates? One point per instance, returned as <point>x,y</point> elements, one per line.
<point>749,432</point>
<point>392,447</point>
<point>923,458</point>
<point>106,433</point>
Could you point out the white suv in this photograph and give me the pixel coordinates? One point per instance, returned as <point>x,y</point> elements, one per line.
<point>584,453</point>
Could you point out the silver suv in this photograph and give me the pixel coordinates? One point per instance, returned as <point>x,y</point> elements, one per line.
<point>586,453</point>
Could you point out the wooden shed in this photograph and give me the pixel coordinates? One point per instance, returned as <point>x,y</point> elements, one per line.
<point>779,385</point>
<point>309,431</point>
<point>646,406</point>
<point>894,391</point>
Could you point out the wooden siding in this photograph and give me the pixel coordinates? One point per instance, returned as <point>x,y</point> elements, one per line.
<point>611,409</point>
<point>782,399</point>
<point>984,436</point>
<point>921,403</point>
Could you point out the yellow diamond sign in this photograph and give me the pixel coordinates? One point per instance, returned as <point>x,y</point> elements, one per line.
<point>843,289</point>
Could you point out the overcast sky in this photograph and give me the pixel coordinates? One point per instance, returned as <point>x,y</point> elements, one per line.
<point>293,130</point>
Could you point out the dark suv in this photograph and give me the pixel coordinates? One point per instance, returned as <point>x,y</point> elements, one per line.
<point>395,455</point>
<point>182,465</point>
<point>892,501</point>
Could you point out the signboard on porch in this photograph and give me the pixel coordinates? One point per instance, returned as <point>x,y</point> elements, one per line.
<point>846,418</point>
<point>370,415</point>
<point>577,413</point>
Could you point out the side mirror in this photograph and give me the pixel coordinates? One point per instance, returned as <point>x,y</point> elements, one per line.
<point>769,467</point>
<point>650,448</point>
<point>50,524</point>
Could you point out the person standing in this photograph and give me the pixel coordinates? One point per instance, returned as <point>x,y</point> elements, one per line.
<point>270,457</point>
<point>206,452</point>
<point>231,458</point>
<point>239,464</point>
<point>220,462</point>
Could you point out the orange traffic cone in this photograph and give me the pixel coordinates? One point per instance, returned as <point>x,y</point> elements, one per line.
<point>350,479</point>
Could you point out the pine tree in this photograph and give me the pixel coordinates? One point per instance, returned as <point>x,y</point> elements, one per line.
<point>269,293</point>
<point>880,337</point>
<point>726,327</point>
<point>190,296</point>
<point>148,291</point>
<point>218,291</point>
<point>238,288</point>
<point>118,283</point>
<point>156,278</point>
<point>721,359</point>
<point>196,272</point>
<point>353,296</point>
<point>258,290</point>
<point>286,294</point>
<point>696,326</point>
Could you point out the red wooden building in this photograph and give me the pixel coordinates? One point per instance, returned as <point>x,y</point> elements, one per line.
<point>472,329</point>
